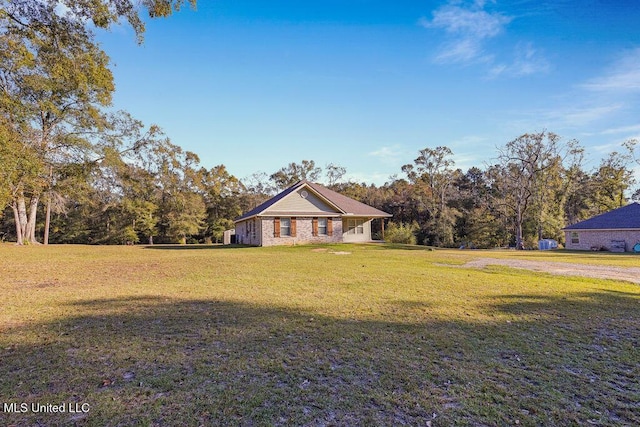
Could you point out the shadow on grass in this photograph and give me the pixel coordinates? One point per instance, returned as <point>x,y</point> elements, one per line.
<point>156,361</point>
<point>621,293</point>
<point>179,247</point>
<point>405,247</point>
<point>594,254</point>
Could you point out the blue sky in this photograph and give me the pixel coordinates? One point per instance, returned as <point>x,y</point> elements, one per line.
<point>365,84</point>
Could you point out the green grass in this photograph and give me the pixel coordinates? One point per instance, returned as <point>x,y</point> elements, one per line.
<point>383,335</point>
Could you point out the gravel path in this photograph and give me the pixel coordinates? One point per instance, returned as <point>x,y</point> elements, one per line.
<point>563,268</point>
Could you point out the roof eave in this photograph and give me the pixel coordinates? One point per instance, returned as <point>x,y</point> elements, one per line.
<point>367,215</point>
<point>266,213</point>
<point>235,221</point>
<point>602,229</point>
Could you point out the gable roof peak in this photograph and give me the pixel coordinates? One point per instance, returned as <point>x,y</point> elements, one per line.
<point>344,204</point>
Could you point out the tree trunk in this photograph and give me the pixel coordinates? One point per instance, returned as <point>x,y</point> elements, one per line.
<point>16,216</point>
<point>26,221</point>
<point>31,225</point>
<point>47,221</point>
<point>22,217</point>
<point>519,242</point>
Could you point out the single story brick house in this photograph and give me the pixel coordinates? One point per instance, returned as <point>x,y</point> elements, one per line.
<point>617,231</point>
<point>307,213</point>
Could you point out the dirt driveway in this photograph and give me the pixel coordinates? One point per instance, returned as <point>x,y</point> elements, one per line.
<point>563,268</point>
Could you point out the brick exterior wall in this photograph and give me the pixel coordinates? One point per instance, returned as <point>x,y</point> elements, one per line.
<point>303,233</point>
<point>248,232</point>
<point>601,239</point>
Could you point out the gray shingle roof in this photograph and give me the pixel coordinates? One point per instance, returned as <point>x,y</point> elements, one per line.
<point>626,217</point>
<point>347,205</point>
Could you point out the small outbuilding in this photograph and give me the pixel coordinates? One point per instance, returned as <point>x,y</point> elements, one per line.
<point>547,244</point>
<point>616,231</point>
<point>307,212</point>
<point>229,237</point>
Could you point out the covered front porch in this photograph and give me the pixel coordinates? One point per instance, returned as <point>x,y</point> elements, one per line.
<point>362,229</point>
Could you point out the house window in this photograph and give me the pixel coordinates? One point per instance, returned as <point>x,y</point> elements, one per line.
<point>285,227</point>
<point>355,226</point>
<point>575,238</point>
<point>253,229</point>
<point>322,225</point>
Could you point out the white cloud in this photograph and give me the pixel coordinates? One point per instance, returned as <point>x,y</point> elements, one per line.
<point>605,149</point>
<point>528,61</point>
<point>462,51</point>
<point>377,178</point>
<point>387,152</point>
<point>466,149</point>
<point>464,161</point>
<point>636,174</point>
<point>468,27</point>
<point>623,129</point>
<point>389,158</point>
<point>581,120</point>
<point>583,116</point>
<point>601,110</point>
<point>468,140</point>
<point>624,75</point>
<point>601,105</point>
<point>466,23</point>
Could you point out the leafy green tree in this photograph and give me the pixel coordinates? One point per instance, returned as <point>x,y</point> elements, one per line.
<point>139,205</point>
<point>178,190</point>
<point>397,199</point>
<point>53,82</point>
<point>54,85</point>
<point>521,174</point>
<point>185,215</point>
<point>100,13</point>
<point>19,174</point>
<point>222,195</point>
<point>10,159</point>
<point>334,174</point>
<point>256,188</point>
<point>611,182</point>
<point>633,147</point>
<point>478,225</point>
<point>355,190</point>
<point>294,172</point>
<point>576,193</point>
<point>547,209</point>
<point>432,176</point>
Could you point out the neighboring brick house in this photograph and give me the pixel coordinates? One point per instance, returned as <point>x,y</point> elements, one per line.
<point>617,230</point>
<point>307,213</point>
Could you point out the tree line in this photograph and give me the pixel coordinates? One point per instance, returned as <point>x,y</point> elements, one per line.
<point>72,170</point>
<point>160,193</point>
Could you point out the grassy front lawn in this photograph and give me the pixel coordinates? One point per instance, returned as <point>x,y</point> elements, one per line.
<point>371,335</point>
